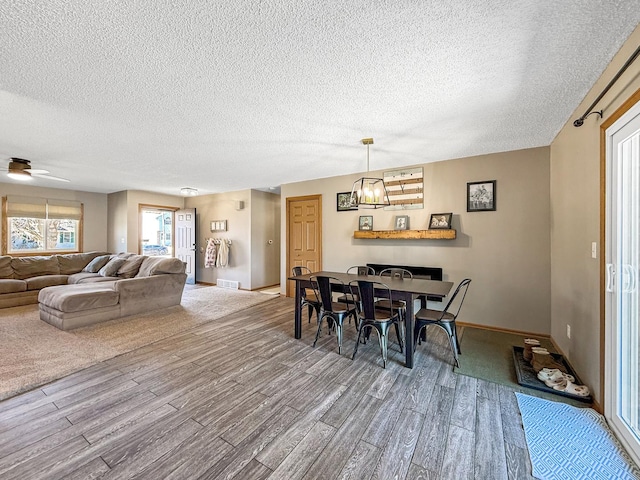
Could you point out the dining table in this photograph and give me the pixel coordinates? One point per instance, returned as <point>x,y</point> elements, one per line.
<point>404,289</point>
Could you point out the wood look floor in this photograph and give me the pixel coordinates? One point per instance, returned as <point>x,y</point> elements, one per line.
<point>241,398</point>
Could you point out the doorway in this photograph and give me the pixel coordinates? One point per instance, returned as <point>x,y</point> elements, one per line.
<point>622,263</point>
<point>156,231</point>
<point>304,234</point>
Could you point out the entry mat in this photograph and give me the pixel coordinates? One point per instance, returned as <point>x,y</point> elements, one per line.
<point>527,376</point>
<point>567,442</point>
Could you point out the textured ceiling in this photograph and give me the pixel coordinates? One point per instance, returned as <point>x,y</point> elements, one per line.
<point>226,95</point>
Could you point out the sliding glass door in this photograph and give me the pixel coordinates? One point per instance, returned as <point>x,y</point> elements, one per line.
<point>622,258</point>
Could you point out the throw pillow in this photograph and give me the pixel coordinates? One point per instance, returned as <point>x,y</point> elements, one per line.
<point>130,266</point>
<point>96,264</point>
<point>111,268</point>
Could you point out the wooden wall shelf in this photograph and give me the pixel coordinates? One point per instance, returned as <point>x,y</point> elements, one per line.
<point>407,234</point>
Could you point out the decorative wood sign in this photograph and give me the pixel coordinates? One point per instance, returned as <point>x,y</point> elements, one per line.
<point>405,188</point>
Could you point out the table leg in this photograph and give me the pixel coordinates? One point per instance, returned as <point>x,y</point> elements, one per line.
<point>298,312</point>
<point>408,332</point>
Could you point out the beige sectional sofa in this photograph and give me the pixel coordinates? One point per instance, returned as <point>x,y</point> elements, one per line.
<point>77,290</point>
<point>22,278</point>
<point>157,283</point>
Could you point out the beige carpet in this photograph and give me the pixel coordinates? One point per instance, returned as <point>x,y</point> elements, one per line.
<point>33,353</point>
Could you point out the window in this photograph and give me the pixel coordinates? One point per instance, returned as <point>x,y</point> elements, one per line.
<point>40,226</point>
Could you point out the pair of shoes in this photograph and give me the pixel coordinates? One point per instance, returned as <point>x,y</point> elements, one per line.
<point>543,359</point>
<point>553,377</point>
<point>573,389</point>
<point>528,344</point>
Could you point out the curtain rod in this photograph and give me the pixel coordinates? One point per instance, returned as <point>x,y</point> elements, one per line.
<point>580,121</point>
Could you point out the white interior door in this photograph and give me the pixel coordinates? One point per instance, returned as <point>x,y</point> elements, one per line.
<point>185,241</point>
<point>622,258</point>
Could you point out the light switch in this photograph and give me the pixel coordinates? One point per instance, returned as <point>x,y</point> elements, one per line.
<point>594,250</point>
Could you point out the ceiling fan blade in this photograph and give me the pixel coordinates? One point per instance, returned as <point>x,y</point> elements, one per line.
<point>37,171</point>
<point>50,177</point>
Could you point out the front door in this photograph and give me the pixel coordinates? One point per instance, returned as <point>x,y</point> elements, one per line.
<point>304,235</point>
<point>186,241</point>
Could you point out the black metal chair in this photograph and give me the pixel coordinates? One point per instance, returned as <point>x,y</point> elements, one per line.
<point>309,298</point>
<point>400,305</point>
<point>371,317</point>
<point>445,319</point>
<point>334,312</point>
<point>362,271</point>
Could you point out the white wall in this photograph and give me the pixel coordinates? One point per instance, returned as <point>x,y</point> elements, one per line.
<point>95,210</point>
<point>505,253</point>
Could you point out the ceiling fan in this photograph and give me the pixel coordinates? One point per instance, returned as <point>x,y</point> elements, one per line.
<point>20,169</point>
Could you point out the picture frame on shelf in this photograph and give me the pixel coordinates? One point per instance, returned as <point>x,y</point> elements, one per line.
<point>365,222</point>
<point>440,221</point>
<point>343,202</point>
<point>402,222</point>
<point>481,196</point>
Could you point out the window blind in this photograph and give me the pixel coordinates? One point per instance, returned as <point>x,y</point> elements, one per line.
<point>64,209</point>
<point>29,207</point>
<point>26,207</point>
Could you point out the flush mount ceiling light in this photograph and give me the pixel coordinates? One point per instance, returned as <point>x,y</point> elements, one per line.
<point>188,191</point>
<point>369,192</point>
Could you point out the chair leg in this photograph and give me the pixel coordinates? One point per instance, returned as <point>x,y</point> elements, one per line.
<point>384,341</point>
<point>455,335</point>
<point>339,335</point>
<point>400,342</point>
<point>318,331</point>
<point>355,349</point>
<point>452,340</point>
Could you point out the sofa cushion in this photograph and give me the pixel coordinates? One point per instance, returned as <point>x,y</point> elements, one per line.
<point>130,268</point>
<point>6,271</point>
<point>36,283</point>
<point>96,264</point>
<point>112,267</point>
<point>26,267</point>
<point>76,298</point>
<point>97,278</point>
<point>74,262</point>
<point>159,265</point>
<point>78,277</point>
<point>12,286</point>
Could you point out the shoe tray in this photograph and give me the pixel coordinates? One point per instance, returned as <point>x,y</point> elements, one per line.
<point>527,376</point>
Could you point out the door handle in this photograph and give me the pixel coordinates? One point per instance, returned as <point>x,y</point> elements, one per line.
<point>611,273</point>
<point>629,284</point>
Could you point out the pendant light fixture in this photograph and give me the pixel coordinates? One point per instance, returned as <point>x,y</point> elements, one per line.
<point>369,192</point>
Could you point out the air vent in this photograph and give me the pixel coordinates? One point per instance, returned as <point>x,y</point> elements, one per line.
<point>231,284</point>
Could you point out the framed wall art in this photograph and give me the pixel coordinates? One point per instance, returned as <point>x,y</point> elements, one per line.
<point>402,222</point>
<point>481,196</point>
<point>343,202</point>
<point>366,222</point>
<point>218,225</point>
<point>405,188</point>
<point>440,221</point>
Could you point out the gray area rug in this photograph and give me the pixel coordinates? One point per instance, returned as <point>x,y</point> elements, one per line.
<point>33,353</point>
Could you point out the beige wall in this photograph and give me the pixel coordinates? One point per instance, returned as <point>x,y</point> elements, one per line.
<point>117,222</point>
<point>265,239</point>
<point>95,210</point>
<point>575,222</point>
<point>222,206</point>
<point>505,253</point>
